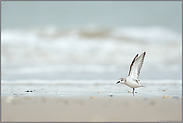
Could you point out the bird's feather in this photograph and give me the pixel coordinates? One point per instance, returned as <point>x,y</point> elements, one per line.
<point>132,64</point>
<point>136,66</point>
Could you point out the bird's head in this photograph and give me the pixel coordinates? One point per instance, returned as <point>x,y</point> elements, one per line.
<point>121,81</point>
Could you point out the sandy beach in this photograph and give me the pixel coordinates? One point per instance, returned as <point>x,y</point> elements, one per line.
<point>93,101</point>
<point>117,109</point>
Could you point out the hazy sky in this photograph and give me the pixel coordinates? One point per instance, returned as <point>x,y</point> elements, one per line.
<point>69,14</point>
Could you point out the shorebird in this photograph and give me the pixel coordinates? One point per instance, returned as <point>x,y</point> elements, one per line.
<point>132,79</point>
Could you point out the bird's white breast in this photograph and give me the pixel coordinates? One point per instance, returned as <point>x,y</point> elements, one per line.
<point>131,83</point>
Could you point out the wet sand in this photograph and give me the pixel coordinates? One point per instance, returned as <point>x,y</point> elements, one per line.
<point>119,109</point>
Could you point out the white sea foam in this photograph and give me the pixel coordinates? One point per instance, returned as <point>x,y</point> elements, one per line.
<point>88,82</point>
<point>96,50</point>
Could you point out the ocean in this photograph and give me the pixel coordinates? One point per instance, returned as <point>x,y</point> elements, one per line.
<point>89,53</point>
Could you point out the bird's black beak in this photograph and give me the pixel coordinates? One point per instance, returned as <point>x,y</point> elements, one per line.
<point>118,82</point>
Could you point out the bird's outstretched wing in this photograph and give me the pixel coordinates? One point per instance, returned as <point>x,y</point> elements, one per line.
<point>132,64</point>
<point>136,65</point>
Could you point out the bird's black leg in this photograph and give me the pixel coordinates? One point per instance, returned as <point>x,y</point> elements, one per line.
<point>133,91</point>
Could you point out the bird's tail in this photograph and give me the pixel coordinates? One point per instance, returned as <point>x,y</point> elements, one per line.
<point>142,85</point>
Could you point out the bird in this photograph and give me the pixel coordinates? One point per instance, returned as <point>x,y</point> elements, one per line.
<point>132,80</point>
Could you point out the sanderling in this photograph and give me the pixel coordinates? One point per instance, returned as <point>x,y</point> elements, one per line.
<point>132,79</point>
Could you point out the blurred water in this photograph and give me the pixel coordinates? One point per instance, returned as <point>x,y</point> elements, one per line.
<point>89,53</point>
<point>72,14</point>
<point>89,40</point>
